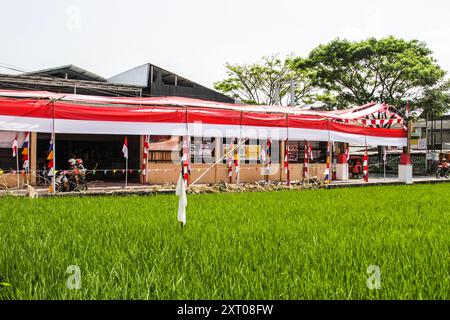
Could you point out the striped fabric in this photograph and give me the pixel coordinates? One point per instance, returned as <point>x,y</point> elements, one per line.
<point>26,152</point>
<point>366,166</point>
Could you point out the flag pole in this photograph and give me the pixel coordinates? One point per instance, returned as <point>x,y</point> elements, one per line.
<point>126,166</point>
<point>17,166</point>
<point>54,148</point>
<point>384,162</point>
<point>238,173</point>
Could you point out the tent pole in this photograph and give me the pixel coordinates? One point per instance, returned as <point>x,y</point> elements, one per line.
<point>17,167</point>
<point>54,148</point>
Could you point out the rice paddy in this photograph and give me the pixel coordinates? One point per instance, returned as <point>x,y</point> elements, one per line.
<point>275,245</point>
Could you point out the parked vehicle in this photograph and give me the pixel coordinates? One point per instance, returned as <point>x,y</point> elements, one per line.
<point>442,172</point>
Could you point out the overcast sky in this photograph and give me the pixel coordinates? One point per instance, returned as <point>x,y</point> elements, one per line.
<point>195,38</point>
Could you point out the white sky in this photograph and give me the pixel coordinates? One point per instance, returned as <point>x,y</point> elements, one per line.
<point>195,38</point>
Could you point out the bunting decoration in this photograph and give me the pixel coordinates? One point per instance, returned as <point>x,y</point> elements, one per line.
<point>366,166</point>
<point>26,152</point>
<point>50,158</point>
<point>327,170</point>
<point>236,160</point>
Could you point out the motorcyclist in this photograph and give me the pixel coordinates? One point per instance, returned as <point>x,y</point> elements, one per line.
<point>73,171</point>
<point>444,164</point>
<point>443,169</point>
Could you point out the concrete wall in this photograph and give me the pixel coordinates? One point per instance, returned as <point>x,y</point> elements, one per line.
<point>168,173</point>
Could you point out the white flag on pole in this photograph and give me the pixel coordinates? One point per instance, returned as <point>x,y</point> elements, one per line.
<point>180,191</point>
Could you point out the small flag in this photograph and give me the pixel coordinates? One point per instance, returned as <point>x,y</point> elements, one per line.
<point>25,152</point>
<point>125,148</point>
<point>385,154</point>
<point>180,191</point>
<point>347,153</point>
<point>366,166</point>
<point>15,146</point>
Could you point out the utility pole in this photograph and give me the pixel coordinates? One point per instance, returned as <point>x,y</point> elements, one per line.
<point>277,99</point>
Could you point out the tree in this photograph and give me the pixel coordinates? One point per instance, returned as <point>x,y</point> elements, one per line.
<point>435,101</point>
<point>388,70</point>
<point>257,83</point>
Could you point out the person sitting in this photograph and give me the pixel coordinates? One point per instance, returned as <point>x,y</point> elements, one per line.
<point>357,169</point>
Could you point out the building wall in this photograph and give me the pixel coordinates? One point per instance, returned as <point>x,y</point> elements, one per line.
<point>168,173</point>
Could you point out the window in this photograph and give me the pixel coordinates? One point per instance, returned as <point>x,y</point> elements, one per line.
<point>250,150</point>
<point>296,151</point>
<point>202,150</point>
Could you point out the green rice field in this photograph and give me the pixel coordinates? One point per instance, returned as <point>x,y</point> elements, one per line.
<point>275,245</point>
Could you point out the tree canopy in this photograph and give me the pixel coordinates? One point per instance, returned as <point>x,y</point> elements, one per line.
<point>387,70</point>
<point>342,73</point>
<point>257,83</point>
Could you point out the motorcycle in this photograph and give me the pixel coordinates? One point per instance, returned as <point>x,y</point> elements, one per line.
<point>66,181</point>
<point>442,172</point>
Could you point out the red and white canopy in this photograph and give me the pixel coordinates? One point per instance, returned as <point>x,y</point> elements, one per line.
<point>38,111</point>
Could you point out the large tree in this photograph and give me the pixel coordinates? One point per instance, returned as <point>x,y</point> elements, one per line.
<point>388,70</point>
<point>257,83</point>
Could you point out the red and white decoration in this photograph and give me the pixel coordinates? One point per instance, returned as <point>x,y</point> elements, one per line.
<point>164,116</point>
<point>286,156</point>
<point>145,154</point>
<point>125,148</point>
<point>15,147</point>
<point>366,166</point>
<point>185,161</point>
<point>305,160</point>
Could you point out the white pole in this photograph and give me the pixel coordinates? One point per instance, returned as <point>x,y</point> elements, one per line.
<point>384,162</point>
<point>54,150</point>
<point>17,166</point>
<point>126,171</point>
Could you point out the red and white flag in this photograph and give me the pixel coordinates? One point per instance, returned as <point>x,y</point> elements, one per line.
<point>125,148</point>
<point>15,147</point>
<point>145,154</point>
<point>310,152</point>
<point>347,153</point>
<point>185,161</point>
<point>366,166</point>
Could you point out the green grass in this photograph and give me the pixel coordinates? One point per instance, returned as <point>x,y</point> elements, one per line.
<point>279,245</point>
